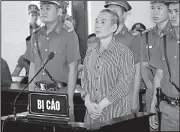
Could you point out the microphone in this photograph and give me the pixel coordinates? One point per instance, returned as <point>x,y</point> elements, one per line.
<point>50,56</point>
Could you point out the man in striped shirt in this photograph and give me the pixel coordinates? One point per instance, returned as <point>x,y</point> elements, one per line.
<point>108,73</point>
<point>123,36</point>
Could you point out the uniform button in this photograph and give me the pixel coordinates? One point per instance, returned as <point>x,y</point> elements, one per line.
<point>163,59</point>
<point>47,38</point>
<point>43,73</point>
<point>150,46</point>
<point>97,66</point>
<point>97,78</point>
<point>46,50</point>
<point>175,56</point>
<point>178,42</point>
<point>54,52</point>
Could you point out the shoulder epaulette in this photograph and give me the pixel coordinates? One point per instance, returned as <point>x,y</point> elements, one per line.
<point>131,32</point>
<point>147,30</point>
<point>37,29</point>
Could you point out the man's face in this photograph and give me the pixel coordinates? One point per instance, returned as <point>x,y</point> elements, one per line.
<point>92,40</point>
<point>33,17</point>
<point>48,13</point>
<point>103,26</point>
<point>174,14</point>
<point>159,12</point>
<point>117,9</point>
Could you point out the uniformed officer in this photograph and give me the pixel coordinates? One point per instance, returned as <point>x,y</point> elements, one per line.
<point>33,12</point>
<point>166,59</point>
<point>54,38</point>
<point>123,36</point>
<point>151,38</point>
<point>33,17</point>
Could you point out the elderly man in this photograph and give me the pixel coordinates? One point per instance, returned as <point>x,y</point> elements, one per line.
<point>108,72</point>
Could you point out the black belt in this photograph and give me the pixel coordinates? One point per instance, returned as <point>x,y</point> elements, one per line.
<point>44,85</point>
<point>171,101</point>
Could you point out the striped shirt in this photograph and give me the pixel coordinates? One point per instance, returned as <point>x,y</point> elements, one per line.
<point>108,75</point>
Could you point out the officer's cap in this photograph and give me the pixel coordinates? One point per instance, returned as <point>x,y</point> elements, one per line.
<point>33,9</point>
<point>139,27</point>
<point>124,4</point>
<point>158,1</point>
<point>171,2</point>
<point>61,4</point>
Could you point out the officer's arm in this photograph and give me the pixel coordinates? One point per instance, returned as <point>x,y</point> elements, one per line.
<point>17,71</point>
<point>31,74</point>
<point>157,79</point>
<point>72,77</point>
<point>137,79</point>
<point>137,82</point>
<point>145,76</point>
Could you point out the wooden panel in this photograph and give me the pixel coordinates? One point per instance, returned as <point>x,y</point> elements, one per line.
<point>79,13</point>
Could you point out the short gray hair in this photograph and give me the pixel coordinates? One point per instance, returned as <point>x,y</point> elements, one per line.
<point>114,16</point>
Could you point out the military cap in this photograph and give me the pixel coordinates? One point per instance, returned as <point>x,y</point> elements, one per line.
<point>158,1</point>
<point>61,4</point>
<point>171,2</point>
<point>139,27</point>
<point>33,8</point>
<point>124,4</point>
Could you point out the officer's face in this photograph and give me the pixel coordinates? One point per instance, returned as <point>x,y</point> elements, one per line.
<point>174,14</point>
<point>33,17</point>
<point>119,11</point>
<point>92,40</point>
<point>103,26</point>
<point>159,12</point>
<point>49,13</point>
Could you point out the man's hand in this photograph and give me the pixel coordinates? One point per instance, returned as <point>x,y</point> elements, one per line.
<point>71,110</point>
<point>152,120</point>
<point>93,109</point>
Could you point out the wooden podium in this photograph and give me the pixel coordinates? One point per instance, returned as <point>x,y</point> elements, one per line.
<point>138,122</point>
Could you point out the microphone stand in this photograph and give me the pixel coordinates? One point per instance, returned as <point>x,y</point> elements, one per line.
<point>158,95</point>
<point>14,104</point>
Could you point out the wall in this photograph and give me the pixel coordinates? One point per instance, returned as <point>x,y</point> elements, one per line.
<point>141,12</point>
<point>15,29</point>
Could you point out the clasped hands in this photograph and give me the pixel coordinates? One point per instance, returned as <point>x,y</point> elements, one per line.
<point>95,110</point>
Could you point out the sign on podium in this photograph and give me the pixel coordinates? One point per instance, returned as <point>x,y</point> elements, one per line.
<point>48,106</point>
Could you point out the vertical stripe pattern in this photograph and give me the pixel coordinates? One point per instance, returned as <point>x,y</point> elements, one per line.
<point>111,77</point>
